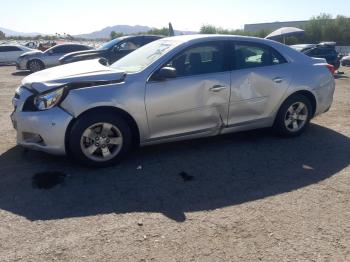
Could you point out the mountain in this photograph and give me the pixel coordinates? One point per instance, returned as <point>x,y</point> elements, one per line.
<point>103,33</point>
<point>125,29</point>
<point>9,32</point>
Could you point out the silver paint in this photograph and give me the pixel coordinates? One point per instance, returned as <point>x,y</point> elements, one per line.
<point>180,108</point>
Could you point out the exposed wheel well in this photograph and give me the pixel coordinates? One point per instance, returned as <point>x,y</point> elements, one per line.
<point>309,96</point>
<point>103,109</point>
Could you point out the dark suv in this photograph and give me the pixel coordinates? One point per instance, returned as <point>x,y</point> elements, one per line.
<point>326,51</point>
<point>112,50</point>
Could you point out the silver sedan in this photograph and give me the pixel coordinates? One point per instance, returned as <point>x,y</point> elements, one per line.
<point>172,89</point>
<point>37,60</point>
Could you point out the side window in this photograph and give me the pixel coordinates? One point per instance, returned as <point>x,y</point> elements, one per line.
<point>75,48</point>
<point>129,45</point>
<point>14,49</point>
<point>314,51</point>
<point>63,49</point>
<point>9,48</point>
<point>58,49</point>
<point>149,39</point>
<point>255,55</point>
<point>200,59</point>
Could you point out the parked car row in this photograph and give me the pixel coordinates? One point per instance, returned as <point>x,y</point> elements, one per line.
<point>325,50</point>
<point>112,50</point>
<point>36,60</point>
<point>172,89</point>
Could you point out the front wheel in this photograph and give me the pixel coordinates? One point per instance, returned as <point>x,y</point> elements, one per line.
<point>294,116</point>
<point>35,66</point>
<point>99,140</point>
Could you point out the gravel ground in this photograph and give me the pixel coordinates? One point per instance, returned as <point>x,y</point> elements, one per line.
<point>240,197</point>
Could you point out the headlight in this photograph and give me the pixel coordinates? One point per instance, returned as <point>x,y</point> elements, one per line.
<point>48,100</point>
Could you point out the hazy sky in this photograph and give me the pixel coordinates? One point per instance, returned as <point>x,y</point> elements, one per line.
<point>84,16</point>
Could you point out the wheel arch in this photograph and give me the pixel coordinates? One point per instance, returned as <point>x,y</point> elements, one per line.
<point>309,95</point>
<point>103,109</point>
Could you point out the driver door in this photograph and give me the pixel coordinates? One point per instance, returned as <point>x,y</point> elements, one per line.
<point>195,102</point>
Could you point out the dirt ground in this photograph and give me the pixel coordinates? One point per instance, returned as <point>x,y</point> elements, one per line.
<point>241,197</point>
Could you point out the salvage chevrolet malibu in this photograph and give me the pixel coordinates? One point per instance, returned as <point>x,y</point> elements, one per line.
<point>171,89</point>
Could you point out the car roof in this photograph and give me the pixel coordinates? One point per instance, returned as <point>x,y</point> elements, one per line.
<point>186,38</point>
<point>17,45</point>
<point>288,52</point>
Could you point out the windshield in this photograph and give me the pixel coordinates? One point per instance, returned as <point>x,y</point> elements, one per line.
<point>144,56</point>
<point>109,44</point>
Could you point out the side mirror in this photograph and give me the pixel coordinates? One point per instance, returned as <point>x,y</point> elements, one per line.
<point>103,61</point>
<point>165,73</point>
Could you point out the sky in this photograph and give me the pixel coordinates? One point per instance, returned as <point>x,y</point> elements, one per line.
<point>85,16</point>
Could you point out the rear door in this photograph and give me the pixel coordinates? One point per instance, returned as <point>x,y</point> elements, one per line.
<point>13,53</point>
<point>258,81</point>
<point>196,101</point>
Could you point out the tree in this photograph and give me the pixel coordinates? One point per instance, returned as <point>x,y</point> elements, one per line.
<point>324,28</point>
<point>159,31</point>
<point>2,35</point>
<point>208,29</point>
<point>211,29</point>
<point>114,35</point>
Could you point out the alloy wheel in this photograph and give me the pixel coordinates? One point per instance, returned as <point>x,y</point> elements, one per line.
<point>101,142</point>
<point>296,117</point>
<point>35,66</point>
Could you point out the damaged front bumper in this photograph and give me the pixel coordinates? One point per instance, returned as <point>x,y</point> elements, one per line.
<point>39,130</point>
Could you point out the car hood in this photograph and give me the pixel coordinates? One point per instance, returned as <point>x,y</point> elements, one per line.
<point>30,53</point>
<point>80,72</point>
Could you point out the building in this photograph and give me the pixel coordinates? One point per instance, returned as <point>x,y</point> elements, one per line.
<point>254,28</point>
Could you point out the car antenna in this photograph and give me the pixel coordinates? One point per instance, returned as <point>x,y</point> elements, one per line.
<point>171,30</point>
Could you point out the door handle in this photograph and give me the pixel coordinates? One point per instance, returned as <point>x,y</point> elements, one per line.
<point>278,80</point>
<point>217,88</point>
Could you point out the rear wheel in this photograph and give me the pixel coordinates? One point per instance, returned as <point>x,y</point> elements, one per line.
<point>294,116</point>
<point>99,140</point>
<point>35,65</point>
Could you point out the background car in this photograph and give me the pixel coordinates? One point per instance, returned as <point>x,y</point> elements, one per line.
<point>324,50</point>
<point>31,44</point>
<point>10,53</point>
<point>112,50</point>
<point>345,61</point>
<point>169,90</point>
<point>303,47</point>
<point>38,60</point>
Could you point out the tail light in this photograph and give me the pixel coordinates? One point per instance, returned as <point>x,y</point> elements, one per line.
<point>331,68</point>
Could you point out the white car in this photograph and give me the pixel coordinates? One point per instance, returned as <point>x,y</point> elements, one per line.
<point>10,53</point>
<point>345,61</point>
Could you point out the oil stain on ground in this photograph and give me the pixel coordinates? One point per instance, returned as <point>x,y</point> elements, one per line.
<point>47,180</point>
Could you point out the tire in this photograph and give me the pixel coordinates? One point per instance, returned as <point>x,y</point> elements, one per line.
<point>288,115</point>
<point>337,65</point>
<point>89,141</point>
<point>35,65</point>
